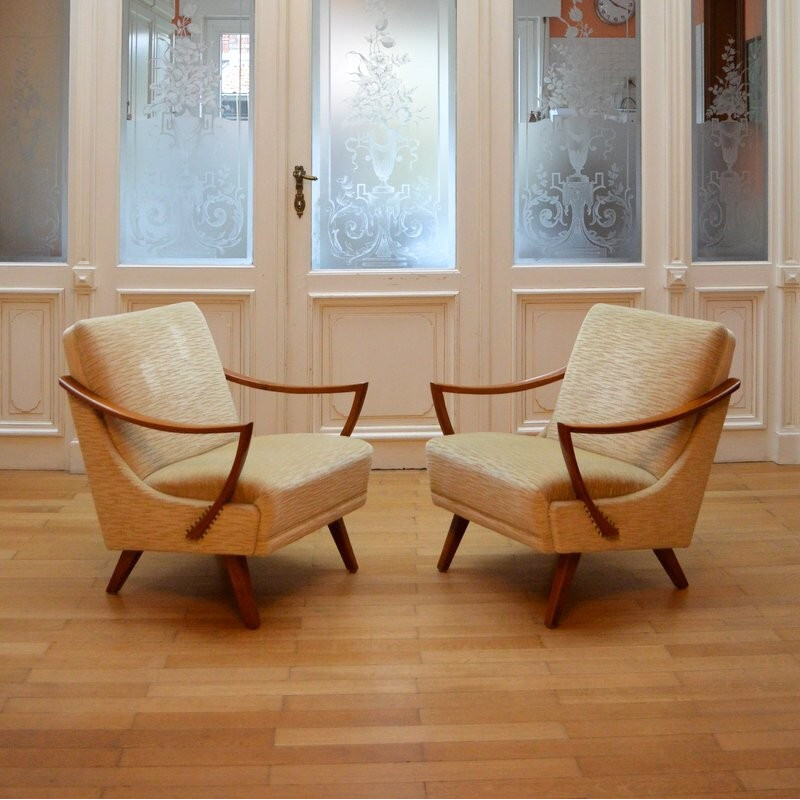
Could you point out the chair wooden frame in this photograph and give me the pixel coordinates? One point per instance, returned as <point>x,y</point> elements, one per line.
<point>568,562</point>
<point>236,565</point>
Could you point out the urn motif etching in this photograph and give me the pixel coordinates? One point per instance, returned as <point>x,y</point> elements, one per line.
<point>578,149</point>
<point>729,204</point>
<point>384,198</point>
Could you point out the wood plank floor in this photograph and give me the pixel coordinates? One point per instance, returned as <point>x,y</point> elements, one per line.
<point>399,681</point>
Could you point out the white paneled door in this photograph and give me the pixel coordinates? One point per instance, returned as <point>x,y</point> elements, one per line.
<point>384,265</point>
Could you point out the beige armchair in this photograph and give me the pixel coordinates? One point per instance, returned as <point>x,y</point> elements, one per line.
<point>624,460</point>
<point>170,466</point>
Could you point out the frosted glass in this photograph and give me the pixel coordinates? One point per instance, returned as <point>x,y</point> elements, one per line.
<point>383,134</point>
<point>34,52</point>
<point>729,136</point>
<point>186,141</point>
<point>577,143</point>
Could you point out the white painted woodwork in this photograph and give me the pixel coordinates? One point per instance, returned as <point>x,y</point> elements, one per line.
<point>547,323</point>
<point>398,329</point>
<point>741,310</point>
<point>384,336</point>
<point>489,320</point>
<point>228,314</point>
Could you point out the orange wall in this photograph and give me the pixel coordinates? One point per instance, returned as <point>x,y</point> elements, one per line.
<point>599,29</point>
<point>753,18</point>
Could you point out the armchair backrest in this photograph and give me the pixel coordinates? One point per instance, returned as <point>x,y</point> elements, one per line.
<point>162,363</point>
<point>627,364</point>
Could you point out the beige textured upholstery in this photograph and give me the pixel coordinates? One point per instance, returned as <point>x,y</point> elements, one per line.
<point>160,364</point>
<point>150,486</point>
<point>287,477</point>
<point>626,365</point>
<point>631,364</point>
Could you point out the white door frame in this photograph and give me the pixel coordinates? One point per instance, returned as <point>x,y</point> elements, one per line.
<point>437,311</point>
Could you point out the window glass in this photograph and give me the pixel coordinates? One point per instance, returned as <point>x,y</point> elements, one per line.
<point>577,131</point>
<point>34,52</point>
<point>383,133</point>
<point>729,131</point>
<point>186,187</point>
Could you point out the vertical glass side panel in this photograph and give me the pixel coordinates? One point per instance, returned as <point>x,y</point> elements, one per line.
<point>729,179</point>
<point>577,132</point>
<point>34,64</point>
<point>384,134</point>
<point>186,160</point>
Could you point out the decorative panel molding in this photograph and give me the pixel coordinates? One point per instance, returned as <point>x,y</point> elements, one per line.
<point>30,329</point>
<point>678,92</point>
<point>389,340</point>
<point>84,286</point>
<point>742,310</point>
<point>229,317</point>
<point>546,325</point>
<point>790,359</point>
<point>677,283</point>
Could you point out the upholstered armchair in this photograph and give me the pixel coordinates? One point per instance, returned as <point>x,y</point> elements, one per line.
<point>170,466</point>
<point>624,460</point>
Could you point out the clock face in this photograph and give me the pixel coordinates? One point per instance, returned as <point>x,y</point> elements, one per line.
<point>615,12</point>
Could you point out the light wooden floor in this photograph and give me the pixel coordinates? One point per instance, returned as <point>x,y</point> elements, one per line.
<point>399,681</point>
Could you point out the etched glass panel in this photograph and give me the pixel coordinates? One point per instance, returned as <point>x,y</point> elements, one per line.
<point>577,132</point>
<point>383,134</point>
<point>186,141</point>
<point>730,131</point>
<point>34,53</point>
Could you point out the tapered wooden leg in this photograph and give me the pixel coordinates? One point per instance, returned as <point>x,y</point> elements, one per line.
<point>339,533</point>
<point>565,570</point>
<point>239,575</point>
<point>127,561</point>
<point>451,543</point>
<point>670,563</point>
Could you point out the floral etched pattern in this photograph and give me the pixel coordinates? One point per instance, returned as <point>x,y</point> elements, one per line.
<point>186,185</point>
<point>729,204</point>
<point>578,156</point>
<point>380,207</point>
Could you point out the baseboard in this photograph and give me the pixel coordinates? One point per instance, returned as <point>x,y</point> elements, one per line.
<point>787,449</point>
<point>76,458</point>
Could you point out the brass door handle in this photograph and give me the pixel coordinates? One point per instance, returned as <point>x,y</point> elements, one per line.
<point>299,176</point>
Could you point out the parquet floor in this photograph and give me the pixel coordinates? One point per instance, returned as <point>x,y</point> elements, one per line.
<point>399,681</point>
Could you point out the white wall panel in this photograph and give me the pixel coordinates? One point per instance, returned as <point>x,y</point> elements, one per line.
<point>399,343</point>
<point>228,314</point>
<point>741,310</point>
<point>547,324</point>
<point>30,327</point>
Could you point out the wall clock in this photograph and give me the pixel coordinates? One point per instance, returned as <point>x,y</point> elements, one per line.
<point>615,12</point>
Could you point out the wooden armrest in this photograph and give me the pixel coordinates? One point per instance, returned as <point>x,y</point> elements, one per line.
<point>245,431</point>
<point>359,390</point>
<point>438,390</point>
<point>565,431</point>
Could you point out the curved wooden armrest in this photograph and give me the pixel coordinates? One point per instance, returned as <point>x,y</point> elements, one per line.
<point>359,390</point>
<point>438,390</point>
<point>565,431</point>
<point>245,431</point>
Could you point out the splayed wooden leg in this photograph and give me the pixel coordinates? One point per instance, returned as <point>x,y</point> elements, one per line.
<point>451,543</point>
<point>671,566</point>
<point>342,540</point>
<point>565,570</point>
<point>239,575</point>
<point>127,561</point>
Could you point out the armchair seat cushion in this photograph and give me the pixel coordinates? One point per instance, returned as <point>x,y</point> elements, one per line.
<point>292,478</point>
<point>507,481</point>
